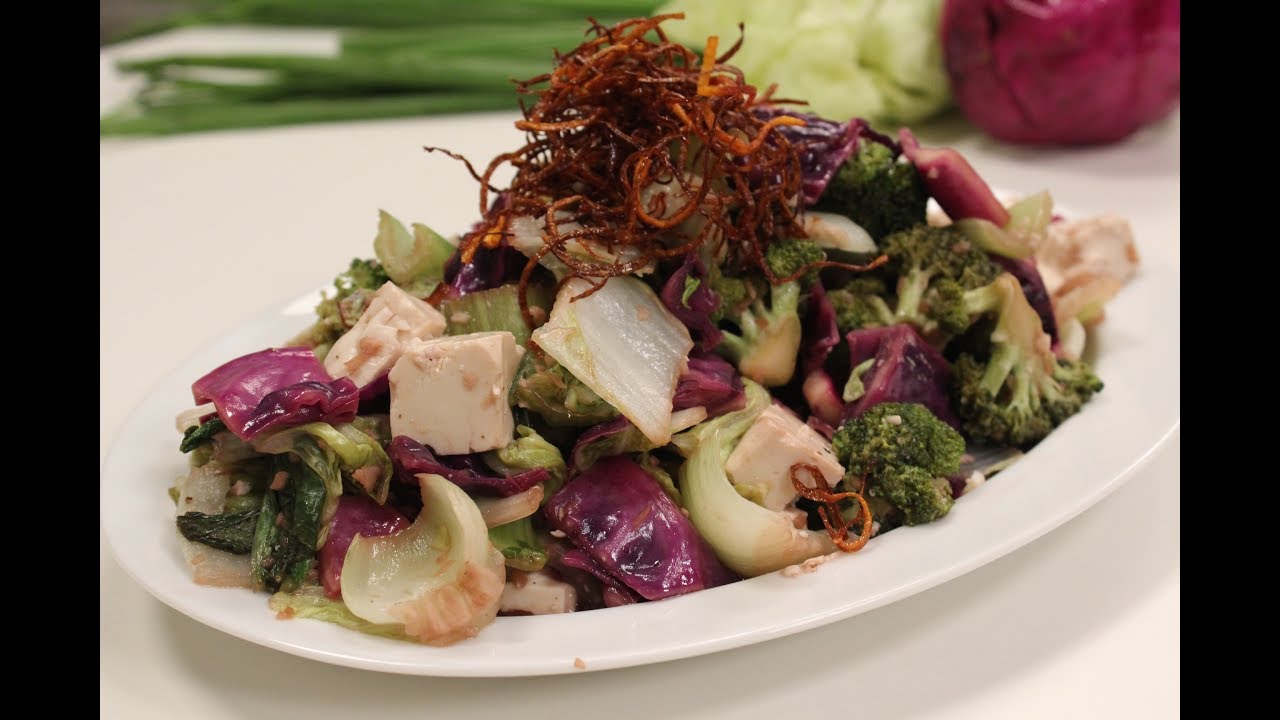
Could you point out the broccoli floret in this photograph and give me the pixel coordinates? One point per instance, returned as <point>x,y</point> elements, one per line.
<point>361,275</point>
<point>1022,391</point>
<point>861,304</point>
<point>923,258</point>
<point>877,192</point>
<point>786,257</point>
<point>946,309</point>
<point>906,454</point>
<point>768,340</point>
<point>735,294</point>
<point>339,310</point>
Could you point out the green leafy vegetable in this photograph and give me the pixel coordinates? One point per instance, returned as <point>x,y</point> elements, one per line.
<point>749,539</point>
<point>650,464</point>
<point>310,602</point>
<point>230,531</point>
<point>294,519</point>
<point>441,577</point>
<point>690,287</point>
<point>201,434</point>
<point>361,458</point>
<point>529,451</point>
<point>561,399</point>
<point>495,309</point>
<point>519,545</point>
<point>410,259</point>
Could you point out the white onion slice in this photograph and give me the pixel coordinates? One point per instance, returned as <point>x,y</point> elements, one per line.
<point>500,511</point>
<point>623,344</point>
<point>441,577</point>
<point>190,417</point>
<point>837,232</point>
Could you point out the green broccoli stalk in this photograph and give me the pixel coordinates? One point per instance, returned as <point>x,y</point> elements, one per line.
<point>875,191</point>
<point>934,266</point>
<point>1022,391</point>
<point>861,304</point>
<point>768,340</point>
<point>906,454</point>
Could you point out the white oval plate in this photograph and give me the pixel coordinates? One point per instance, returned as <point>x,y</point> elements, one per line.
<point>1079,464</point>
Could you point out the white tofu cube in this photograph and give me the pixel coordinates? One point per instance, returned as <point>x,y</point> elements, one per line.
<point>536,593</point>
<point>450,393</point>
<point>375,342</point>
<point>776,441</point>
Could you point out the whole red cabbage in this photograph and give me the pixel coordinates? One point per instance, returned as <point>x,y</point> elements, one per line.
<point>1064,72</point>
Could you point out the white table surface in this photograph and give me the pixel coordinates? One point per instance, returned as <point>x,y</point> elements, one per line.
<point>1083,622</point>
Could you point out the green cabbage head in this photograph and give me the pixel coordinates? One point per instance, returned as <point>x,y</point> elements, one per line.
<point>877,59</point>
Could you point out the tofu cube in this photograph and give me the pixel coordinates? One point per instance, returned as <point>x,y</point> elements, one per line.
<point>763,458</point>
<point>375,342</point>
<point>536,593</point>
<point>450,393</point>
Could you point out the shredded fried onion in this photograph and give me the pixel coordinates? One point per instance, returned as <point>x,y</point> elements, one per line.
<point>628,110</point>
<point>819,493</point>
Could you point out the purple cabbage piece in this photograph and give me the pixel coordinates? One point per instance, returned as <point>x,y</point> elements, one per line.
<point>821,334</point>
<point>489,268</point>
<point>696,315</point>
<point>823,145</point>
<point>356,514</point>
<point>595,587</point>
<point>377,388</point>
<point>468,472</point>
<point>376,396</point>
<point>304,402</point>
<point>710,382</point>
<point>1034,289</point>
<point>953,182</point>
<point>821,427</point>
<point>239,387</point>
<point>613,592</point>
<point>623,520</point>
<point>906,369</point>
<point>612,437</point>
